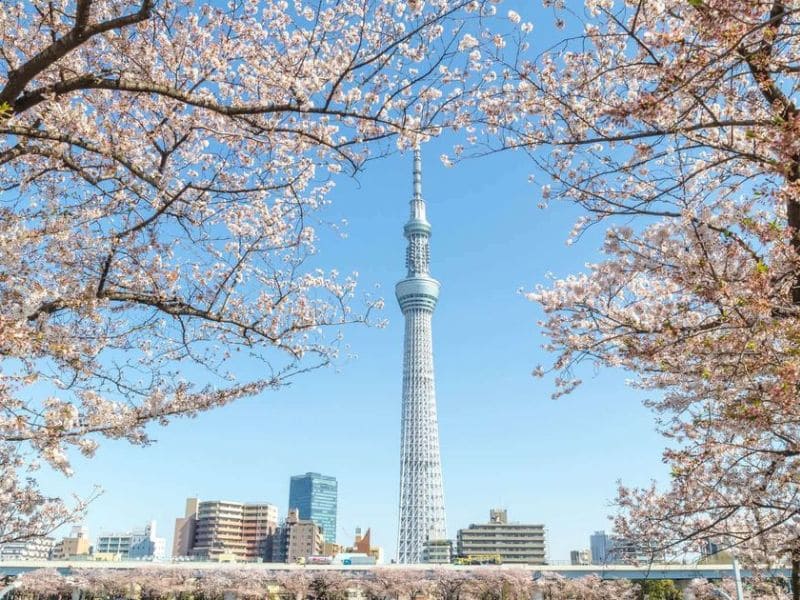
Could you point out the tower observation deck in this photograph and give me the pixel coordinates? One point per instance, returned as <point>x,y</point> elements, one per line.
<point>422,515</point>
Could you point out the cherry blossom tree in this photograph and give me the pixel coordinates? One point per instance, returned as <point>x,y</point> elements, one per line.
<point>497,584</point>
<point>674,124</point>
<point>160,582</point>
<point>453,585</point>
<point>296,585</point>
<point>556,587</point>
<point>162,165</point>
<point>702,589</point>
<point>393,584</point>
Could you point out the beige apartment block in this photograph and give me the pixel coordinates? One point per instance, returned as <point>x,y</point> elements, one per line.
<point>259,523</point>
<point>77,544</point>
<point>510,542</point>
<point>219,530</point>
<point>223,530</point>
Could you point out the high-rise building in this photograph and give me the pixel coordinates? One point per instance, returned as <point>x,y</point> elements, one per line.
<point>422,515</point>
<point>315,497</point>
<point>259,523</point>
<point>133,544</point>
<point>600,545</point>
<point>183,538</point>
<point>297,539</point>
<point>509,542</point>
<point>218,532</point>
<point>222,530</point>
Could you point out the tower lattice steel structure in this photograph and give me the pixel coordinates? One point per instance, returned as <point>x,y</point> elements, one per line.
<point>421,495</point>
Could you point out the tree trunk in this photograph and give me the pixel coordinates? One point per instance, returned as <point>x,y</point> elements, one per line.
<point>793,218</point>
<point>796,575</point>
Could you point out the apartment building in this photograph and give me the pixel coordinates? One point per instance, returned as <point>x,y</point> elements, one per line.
<point>223,530</point>
<point>136,544</point>
<point>297,539</point>
<point>511,542</point>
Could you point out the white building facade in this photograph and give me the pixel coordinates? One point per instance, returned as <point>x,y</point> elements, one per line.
<point>142,544</point>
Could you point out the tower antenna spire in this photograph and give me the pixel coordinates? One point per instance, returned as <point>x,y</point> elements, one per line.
<point>422,515</point>
<point>417,203</point>
<point>417,172</point>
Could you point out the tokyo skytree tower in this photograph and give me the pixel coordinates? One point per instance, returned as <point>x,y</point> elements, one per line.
<point>421,495</point>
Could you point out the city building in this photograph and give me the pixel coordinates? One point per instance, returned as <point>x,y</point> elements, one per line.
<point>616,550</point>
<point>76,545</point>
<point>218,531</point>
<point>225,531</point>
<point>580,557</point>
<point>32,549</point>
<point>315,497</point>
<point>437,552</point>
<point>362,544</point>
<point>259,523</point>
<point>508,542</point>
<point>133,544</point>
<point>600,546</point>
<point>422,514</point>
<point>183,537</point>
<point>712,554</point>
<point>297,539</point>
<point>332,550</point>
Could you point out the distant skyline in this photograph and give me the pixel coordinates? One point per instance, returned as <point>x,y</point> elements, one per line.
<point>504,442</point>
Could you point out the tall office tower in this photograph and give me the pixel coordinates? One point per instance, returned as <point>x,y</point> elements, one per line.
<point>421,496</point>
<point>314,496</point>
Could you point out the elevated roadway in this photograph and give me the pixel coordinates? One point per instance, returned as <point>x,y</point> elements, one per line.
<point>641,572</point>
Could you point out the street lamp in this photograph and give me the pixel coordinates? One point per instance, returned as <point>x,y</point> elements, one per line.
<point>737,579</point>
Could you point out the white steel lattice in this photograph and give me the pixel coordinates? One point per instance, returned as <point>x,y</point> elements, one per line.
<point>422,514</point>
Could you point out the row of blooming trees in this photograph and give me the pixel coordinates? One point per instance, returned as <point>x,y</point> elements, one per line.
<point>675,123</point>
<point>378,584</point>
<point>162,163</point>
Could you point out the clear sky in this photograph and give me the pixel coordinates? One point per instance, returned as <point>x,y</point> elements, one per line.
<point>504,442</point>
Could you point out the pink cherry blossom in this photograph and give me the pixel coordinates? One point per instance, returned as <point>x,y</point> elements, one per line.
<point>674,124</point>
<point>162,167</point>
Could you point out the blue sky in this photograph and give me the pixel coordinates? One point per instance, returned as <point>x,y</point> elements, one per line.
<point>504,442</point>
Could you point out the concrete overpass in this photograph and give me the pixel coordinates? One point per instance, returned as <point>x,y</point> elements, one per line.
<point>642,572</point>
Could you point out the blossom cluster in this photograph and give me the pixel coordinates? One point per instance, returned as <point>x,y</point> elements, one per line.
<point>163,166</point>
<point>389,583</point>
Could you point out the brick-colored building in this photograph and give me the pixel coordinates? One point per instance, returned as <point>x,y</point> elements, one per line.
<point>297,539</point>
